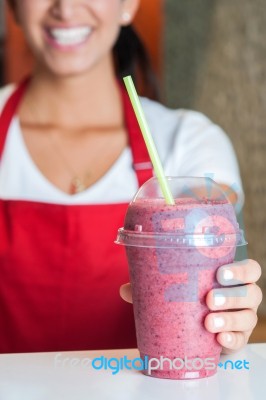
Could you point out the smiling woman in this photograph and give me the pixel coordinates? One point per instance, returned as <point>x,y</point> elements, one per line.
<point>129,52</point>
<point>54,31</point>
<point>72,157</point>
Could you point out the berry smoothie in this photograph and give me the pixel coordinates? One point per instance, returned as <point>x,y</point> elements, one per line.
<point>173,254</point>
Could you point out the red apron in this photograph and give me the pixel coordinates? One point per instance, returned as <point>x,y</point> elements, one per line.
<point>60,271</point>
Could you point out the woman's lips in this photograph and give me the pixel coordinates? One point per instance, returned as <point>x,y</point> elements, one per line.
<point>68,38</point>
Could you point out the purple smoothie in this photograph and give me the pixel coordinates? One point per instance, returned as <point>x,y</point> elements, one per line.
<point>173,254</point>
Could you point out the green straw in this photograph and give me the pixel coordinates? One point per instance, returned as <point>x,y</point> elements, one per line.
<point>156,162</point>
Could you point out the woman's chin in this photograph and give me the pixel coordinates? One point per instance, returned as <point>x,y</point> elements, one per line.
<point>66,70</point>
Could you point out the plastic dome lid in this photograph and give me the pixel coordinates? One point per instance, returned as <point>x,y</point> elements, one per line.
<point>202,216</point>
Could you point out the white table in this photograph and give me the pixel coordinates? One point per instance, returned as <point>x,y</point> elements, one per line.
<point>56,376</point>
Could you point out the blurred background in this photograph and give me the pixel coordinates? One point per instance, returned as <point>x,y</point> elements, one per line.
<point>210,56</point>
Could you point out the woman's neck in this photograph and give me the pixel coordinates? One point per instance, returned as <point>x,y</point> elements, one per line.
<point>89,99</point>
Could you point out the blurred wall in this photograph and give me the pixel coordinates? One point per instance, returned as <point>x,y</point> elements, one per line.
<point>215,62</point>
<point>2,35</point>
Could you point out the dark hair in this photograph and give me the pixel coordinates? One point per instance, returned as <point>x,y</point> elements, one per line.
<point>131,58</point>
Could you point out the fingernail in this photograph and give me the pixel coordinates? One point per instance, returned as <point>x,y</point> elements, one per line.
<point>219,300</point>
<point>228,337</point>
<point>228,274</point>
<point>218,322</point>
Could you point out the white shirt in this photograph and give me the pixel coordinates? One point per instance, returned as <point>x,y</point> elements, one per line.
<point>188,143</point>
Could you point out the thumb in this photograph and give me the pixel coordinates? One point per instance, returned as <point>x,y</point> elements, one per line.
<point>126,293</point>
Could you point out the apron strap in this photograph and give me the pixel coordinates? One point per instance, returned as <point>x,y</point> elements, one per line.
<point>9,111</point>
<point>141,159</point>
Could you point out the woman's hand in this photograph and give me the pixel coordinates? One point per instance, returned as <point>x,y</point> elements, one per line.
<point>125,292</point>
<point>234,327</point>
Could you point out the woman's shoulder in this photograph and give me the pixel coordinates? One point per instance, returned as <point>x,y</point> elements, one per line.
<point>5,92</point>
<point>185,122</point>
<point>156,112</point>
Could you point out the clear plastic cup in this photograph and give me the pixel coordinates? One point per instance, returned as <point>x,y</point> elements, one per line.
<point>173,254</point>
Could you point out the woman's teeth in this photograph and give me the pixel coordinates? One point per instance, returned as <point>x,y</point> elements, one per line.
<point>70,36</point>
